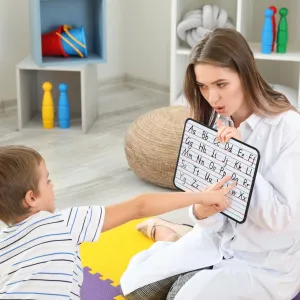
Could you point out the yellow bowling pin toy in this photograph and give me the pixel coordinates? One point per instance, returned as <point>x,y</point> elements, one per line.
<point>47,106</point>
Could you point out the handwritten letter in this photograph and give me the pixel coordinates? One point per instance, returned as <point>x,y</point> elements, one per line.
<point>203,161</point>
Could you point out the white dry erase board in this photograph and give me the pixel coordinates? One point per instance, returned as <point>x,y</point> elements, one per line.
<point>203,161</point>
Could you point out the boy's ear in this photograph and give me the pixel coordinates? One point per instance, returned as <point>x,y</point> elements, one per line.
<point>29,200</point>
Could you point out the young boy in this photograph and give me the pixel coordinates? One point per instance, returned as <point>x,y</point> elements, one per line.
<point>39,249</point>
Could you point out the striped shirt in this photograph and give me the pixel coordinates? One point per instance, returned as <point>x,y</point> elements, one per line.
<point>39,257</point>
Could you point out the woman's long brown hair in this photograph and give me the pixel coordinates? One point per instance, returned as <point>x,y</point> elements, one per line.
<point>228,48</point>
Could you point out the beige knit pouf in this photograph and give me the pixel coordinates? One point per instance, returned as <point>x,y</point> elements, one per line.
<point>152,144</point>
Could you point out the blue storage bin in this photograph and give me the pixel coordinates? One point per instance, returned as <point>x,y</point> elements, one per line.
<point>87,23</point>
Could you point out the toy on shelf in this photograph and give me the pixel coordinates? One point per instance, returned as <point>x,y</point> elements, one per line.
<point>282,34</point>
<point>280,38</point>
<point>65,41</point>
<point>63,107</point>
<point>47,106</point>
<point>274,9</point>
<point>196,23</point>
<point>267,32</point>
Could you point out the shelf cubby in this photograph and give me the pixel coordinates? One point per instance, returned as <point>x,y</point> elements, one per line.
<point>82,95</point>
<point>48,15</point>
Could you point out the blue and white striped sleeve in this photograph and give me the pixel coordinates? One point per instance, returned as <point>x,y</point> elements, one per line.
<point>84,223</point>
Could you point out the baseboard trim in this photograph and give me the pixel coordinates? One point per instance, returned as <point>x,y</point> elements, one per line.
<point>129,80</point>
<point>104,86</point>
<point>111,82</point>
<point>8,105</point>
<point>139,82</point>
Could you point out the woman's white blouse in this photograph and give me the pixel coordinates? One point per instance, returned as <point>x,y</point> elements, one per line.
<point>271,233</point>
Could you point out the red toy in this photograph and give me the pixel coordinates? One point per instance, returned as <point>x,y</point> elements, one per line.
<point>64,41</point>
<point>51,43</point>
<point>274,25</point>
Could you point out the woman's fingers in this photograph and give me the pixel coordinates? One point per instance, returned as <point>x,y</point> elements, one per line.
<point>228,133</point>
<point>221,128</point>
<point>225,133</point>
<point>219,123</point>
<point>220,132</point>
<point>229,136</point>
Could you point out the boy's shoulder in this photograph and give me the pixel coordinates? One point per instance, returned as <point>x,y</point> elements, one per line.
<point>42,219</point>
<point>75,224</point>
<point>37,224</point>
<point>38,221</point>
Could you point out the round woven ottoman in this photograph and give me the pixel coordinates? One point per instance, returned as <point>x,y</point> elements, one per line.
<point>152,144</point>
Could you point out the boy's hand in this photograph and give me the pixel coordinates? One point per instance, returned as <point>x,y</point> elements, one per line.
<point>214,199</point>
<point>225,133</point>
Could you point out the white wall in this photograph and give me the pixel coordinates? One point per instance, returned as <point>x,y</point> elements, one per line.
<point>147,40</point>
<point>115,66</point>
<point>14,43</point>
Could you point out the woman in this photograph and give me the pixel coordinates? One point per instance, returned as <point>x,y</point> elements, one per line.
<point>218,258</point>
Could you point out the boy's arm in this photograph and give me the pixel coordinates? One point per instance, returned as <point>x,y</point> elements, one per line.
<point>148,205</point>
<point>87,222</point>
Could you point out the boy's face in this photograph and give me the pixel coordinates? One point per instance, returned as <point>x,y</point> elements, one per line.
<point>45,198</point>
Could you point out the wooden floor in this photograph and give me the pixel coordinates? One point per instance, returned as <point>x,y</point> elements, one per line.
<point>92,169</point>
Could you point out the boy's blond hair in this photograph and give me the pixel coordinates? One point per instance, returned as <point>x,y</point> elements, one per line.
<point>18,175</point>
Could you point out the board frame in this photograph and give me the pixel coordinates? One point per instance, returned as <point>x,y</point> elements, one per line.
<point>238,141</point>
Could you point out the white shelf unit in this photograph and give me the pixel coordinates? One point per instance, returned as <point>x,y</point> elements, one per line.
<point>248,18</point>
<point>82,95</point>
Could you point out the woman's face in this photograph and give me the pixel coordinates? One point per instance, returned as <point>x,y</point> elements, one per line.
<point>221,87</point>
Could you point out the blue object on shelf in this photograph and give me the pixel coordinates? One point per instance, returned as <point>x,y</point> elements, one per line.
<point>63,107</point>
<point>48,15</point>
<point>78,44</point>
<point>267,32</point>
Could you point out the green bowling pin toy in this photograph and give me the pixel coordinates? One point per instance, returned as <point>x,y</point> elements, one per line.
<point>282,34</point>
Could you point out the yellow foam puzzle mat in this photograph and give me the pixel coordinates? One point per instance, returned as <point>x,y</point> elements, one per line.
<point>105,261</point>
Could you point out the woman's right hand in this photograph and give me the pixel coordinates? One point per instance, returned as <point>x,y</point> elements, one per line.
<point>215,199</point>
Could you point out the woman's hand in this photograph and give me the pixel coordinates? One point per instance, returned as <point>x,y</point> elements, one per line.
<point>215,199</point>
<point>225,133</point>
